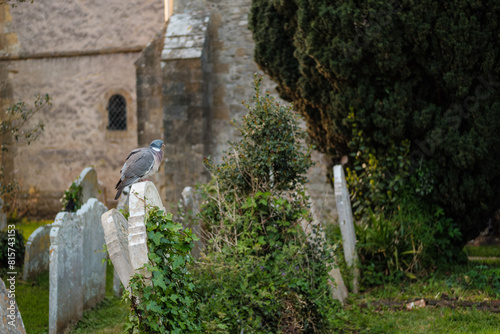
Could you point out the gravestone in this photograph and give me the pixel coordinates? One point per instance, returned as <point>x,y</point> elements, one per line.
<point>88,181</point>
<point>65,274</point>
<point>190,209</point>
<point>11,321</point>
<point>127,240</point>
<point>311,229</point>
<point>93,254</point>
<point>122,207</point>
<point>346,222</point>
<point>116,236</point>
<point>77,271</point>
<point>36,257</point>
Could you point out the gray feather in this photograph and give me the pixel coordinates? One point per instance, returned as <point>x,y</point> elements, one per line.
<point>140,163</point>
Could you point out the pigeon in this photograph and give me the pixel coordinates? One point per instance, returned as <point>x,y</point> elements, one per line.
<point>140,163</point>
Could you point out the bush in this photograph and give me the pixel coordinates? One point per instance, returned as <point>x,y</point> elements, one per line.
<point>11,249</point>
<point>424,73</point>
<point>259,274</point>
<point>165,302</point>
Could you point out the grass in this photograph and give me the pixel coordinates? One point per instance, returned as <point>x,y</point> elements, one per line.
<point>33,300</point>
<point>482,251</point>
<point>423,320</point>
<point>108,317</point>
<point>27,227</point>
<point>470,283</point>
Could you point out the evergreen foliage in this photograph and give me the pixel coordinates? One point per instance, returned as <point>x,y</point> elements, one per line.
<point>258,273</point>
<point>424,73</point>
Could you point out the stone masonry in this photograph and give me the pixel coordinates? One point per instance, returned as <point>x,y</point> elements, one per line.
<point>205,55</point>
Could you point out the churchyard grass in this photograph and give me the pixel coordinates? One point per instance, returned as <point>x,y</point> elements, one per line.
<point>28,227</point>
<point>32,298</point>
<point>109,316</point>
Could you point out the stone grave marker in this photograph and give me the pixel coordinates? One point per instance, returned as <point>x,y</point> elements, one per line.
<point>36,257</point>
<point>127,241</point>
<point>311,229</point>
<point>65,274</point>
<point>116,235</point>
<point>76,270</point>
<point>346,222</point>
<point>11,321</point>
<point>191,209</point>
<point>88,181</point>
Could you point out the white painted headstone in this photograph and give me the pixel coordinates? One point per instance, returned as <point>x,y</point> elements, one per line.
<point>346,222</point>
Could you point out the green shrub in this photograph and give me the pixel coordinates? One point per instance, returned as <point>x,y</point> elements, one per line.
<point>72,198</point>
<point>425,72</point>
<point>398,231</point>
<point>258,273</point>
<point>165,302</point>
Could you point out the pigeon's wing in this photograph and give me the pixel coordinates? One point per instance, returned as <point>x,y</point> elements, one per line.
<point>138,163</point>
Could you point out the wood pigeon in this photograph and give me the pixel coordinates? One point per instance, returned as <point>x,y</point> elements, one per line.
<point>140,163</point>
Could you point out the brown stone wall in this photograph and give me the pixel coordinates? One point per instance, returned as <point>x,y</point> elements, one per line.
<point>50,26</point>
<point>80,53</point>
<point>76,132</point>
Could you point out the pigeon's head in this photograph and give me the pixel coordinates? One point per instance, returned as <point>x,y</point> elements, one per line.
<point>156,144</point>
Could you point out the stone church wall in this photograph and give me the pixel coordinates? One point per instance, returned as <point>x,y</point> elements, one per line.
<point>80,53</point>
<point>205,78</point>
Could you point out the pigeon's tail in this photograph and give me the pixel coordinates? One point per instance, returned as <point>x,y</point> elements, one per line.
<point>118,193</point>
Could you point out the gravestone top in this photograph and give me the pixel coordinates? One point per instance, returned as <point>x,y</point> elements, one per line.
<point>88,181</point>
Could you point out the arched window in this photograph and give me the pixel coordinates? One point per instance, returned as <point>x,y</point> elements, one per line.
<point>117,113</point>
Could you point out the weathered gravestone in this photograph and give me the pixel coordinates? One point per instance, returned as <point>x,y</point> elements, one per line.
<point>36,257</point>
<point>77,270</point>
<point>346,222</point>
<point>11,323</point>
<point>127,240</point>
<point>190,209</point>
<point>316,235</point>
<point>121,207</point>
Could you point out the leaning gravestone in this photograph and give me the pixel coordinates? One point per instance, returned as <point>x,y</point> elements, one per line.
<point>316,235</point>
<point>11,323</point>
<point>77,270</point>
<point>127,240</point>
<point>346,222</point>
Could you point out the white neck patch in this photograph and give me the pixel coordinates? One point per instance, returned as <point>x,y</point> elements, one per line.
<point>156,149</point>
